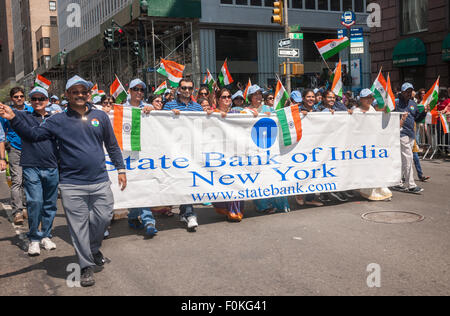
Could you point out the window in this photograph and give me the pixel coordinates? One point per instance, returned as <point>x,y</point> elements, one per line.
<point>256,3</point>
<point>242,2</point>
<point>53,21</point>
<point>310,4</point>
<point>347,5</point>
<point>336,5</point>
<point>359,6</point>
<point>226,1</point>
<point>414,17</point>
<point>297,4</point>
<point>323,5</point>
<point>46,42</point>
<point>52,5</point>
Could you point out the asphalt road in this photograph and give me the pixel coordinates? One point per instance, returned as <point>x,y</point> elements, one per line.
<point>310,251</point>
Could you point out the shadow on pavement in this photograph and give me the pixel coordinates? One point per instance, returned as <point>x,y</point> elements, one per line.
<point>55,267</point>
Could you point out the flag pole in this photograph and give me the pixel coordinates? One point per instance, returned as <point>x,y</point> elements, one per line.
<point>322,57</point>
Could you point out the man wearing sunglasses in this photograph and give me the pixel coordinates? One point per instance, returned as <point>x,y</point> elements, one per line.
<point>81,133</point>
<point>137,96</point>
<point>40,176</point>
<point>140,217</point>
<point>14,148</point>
<point>185,103</point>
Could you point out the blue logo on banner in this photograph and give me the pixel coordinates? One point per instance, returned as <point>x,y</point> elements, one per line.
<point>265,133</point>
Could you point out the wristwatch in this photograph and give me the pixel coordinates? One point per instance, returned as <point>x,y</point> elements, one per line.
<point>122,171</point>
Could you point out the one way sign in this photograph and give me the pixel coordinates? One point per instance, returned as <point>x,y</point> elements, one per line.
<point>288,52</point>
<point>284,43</point>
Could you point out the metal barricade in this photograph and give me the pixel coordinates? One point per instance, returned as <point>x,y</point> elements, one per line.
<point>440,141</point>
<point>424,138</point>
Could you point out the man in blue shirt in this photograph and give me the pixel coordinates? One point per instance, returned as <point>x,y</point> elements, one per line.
<point>14,148</point>
<point>81,134</point>
<point>185,103</point>
<point>406,105</point>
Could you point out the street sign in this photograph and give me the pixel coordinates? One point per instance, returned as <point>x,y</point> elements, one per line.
<point>284,43</point>
<point>357,42</point>
<point>296,36</point>
<point>357,50</point>
<point>354,32</point>
<point>288,52</point>
<point>348,19</point>
<point>295,28</point>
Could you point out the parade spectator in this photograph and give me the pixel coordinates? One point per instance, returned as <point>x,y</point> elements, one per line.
<point>40,176</point>
<point>238,101</point>
<point>137,95</point>
<point>419,95</point>
<point>411,115</point>
<point>269,101</point>
<point>107,103</point>
<point>53,106</point>
<point>206,105</point>
<point>82,133</point>
<point>319,98</point>
<point>14,149</point>
<point>156,101</point>
<point>307,106</point>
<point>232,210</point>
<point>203,92</point>
<point>330,103</point>
<point>185,103</point>
<point>140,217</point>
<point>255,98</point>
<point>296,98</point>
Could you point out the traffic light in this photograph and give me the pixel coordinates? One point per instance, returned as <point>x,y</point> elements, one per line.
<point>136,49</point>
<point>108,38</point>
<point>278,12</point>
<point>119,35</point>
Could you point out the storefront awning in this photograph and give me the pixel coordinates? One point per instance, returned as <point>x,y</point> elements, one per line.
<point>446,48</point>
<point>410,52</point>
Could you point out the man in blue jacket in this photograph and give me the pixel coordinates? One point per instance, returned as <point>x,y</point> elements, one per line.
<point>406,105</point>
<point>14,149</point>
<point>39,163</point>
<point>86,194</point>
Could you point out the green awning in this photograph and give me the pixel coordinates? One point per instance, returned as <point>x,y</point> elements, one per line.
<point>446,49</point>
<point>175,8</point>
<point>410,52</point>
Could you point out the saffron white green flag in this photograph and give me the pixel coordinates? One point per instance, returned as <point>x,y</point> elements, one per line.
<point>162,88</point>
<point>330,47</point>
<point>225,78</point>
<point>291,125</point>
<point>281,96</point>
<point>118,91</point>
<point>390,98</point>
<point>42,82</point>
<point>210,81</point>
<point>379,90</point>
<point>431,98</point>
<point>127,127</point>
<point>337,86</point>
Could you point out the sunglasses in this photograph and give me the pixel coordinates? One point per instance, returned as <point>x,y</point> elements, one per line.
<point>271,98</point>
<point>137,90</point>
<point>18,97</point>
<point>84,92</point>
<point>38,99</point>
<point>108,103</point>
<point>203,93</point>
<point>226,97</point>
<point>187,88</point>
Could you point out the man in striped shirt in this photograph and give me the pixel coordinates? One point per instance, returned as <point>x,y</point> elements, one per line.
<point>184,103</point>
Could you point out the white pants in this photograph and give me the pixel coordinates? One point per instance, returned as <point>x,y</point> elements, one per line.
<point>407,145</point>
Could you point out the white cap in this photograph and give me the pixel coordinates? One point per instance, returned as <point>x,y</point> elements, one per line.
<point>77,80</point>
<point>407,86</point>
<point>238,94</point>
<point>39,90</point>
<point>253,89</point>
<point>366,93</point>
<point>137,82</point>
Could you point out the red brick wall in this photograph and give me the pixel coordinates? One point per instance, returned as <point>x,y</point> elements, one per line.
<point>383,41</point>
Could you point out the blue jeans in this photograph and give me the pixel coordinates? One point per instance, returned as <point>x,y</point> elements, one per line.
<point>187,211</point>
<point>145,213</point>
<point>417,164</point>
<point>41,190</point>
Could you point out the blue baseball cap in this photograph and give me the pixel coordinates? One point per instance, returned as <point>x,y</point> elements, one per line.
<point>137,82</point>
<point>407,86</point>
<point>238,94</point>
<point>296,96</point>
<point>55,97</point>
<point>366,93</point>
<point>77,80</point>
<point>253,89</point>
<point>38,90</point>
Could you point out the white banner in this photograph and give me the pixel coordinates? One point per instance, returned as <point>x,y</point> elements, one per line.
<point>194,159</point>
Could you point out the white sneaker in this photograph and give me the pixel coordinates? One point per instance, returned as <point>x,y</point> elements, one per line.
<point>34,249</point>
<point>191,222</point>
<point>47,244</point>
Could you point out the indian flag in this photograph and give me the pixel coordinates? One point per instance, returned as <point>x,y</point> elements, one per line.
<point>330,47</point>
<point>42,82</point>
<point>127,127</point>
<point>390,98</point>
<point>249,84</point>
<point>379,90</point>
<point>225,77</point>
<point>337,81</point>
<point>291,125</point>
<point>281,96</point>
<point>172,70</point>
<point>432,96</point>
<point>118,91</point>
<point>444,122</point>
<point>210,81</point>
<point>162,88</point>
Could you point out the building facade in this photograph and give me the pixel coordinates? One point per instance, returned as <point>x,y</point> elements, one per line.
<point>7,66</point>
<point>413,42</point>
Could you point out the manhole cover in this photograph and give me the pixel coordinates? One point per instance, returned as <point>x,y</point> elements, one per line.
<point>393,217</point>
